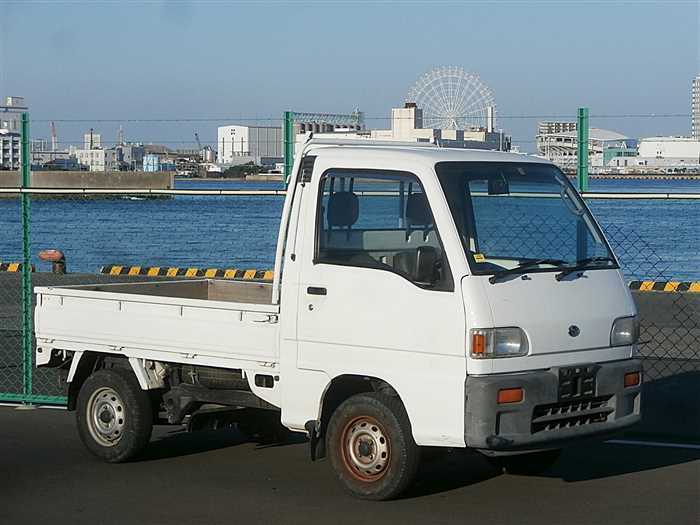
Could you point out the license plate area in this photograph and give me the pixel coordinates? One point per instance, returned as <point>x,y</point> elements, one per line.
<point>577,382</point>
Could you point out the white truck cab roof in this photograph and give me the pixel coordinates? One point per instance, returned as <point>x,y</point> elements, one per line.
<point>421,152</point>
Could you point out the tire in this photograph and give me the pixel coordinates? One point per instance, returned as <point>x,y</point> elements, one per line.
<point>530,464</point>
<point>371,447</point>
<point>114,416</point>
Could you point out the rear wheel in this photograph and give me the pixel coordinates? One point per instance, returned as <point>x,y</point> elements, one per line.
<point>114,416</point>
<point>371,447</point>
<point>530,464</point>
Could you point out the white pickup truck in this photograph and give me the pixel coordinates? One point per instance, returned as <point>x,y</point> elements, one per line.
<point>422,297</point>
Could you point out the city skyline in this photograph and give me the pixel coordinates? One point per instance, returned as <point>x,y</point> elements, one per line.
<point>184,61</point>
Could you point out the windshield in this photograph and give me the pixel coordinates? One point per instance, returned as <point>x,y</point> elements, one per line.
<point>521,215</point>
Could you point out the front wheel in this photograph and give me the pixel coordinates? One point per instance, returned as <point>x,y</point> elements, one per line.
<point>114,416</point>
<point>371,447</point>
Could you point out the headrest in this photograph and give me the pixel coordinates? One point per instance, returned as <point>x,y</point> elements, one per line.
<point>418,210</point>
<point>343,208</point>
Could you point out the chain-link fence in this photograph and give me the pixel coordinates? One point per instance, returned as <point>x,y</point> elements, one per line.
<point>218,229</point>
<point>12,368</point>
<point>654,240</point>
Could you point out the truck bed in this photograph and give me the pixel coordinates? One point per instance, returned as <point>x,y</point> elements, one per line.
<point>204,289</point>
<point>207,321</point>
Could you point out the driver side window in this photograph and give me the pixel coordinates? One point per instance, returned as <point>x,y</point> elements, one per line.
<point>382,220</point>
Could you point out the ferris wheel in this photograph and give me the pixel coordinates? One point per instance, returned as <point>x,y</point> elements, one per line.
<point>451,98</point>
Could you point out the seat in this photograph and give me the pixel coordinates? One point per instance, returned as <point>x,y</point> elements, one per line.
<point>342,212</point>
<point>418,214</point>
<point>343,209</point>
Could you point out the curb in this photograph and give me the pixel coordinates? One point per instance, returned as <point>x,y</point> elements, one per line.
<point>12,267</point>
<point>665,286</point>
<point>157,271</point>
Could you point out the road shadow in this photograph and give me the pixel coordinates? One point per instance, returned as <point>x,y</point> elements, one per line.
<point>177,442</point>
<point>449,469</point>
<point>606,460</point>
<point>671,408</point>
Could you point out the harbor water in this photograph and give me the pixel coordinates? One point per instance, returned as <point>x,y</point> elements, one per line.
<point>654,239</point>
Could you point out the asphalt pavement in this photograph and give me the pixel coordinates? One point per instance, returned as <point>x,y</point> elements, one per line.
<point>218,477</point>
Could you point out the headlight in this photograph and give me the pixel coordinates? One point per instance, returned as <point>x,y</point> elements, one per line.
<point>498,342</point>
<point>625,331</point>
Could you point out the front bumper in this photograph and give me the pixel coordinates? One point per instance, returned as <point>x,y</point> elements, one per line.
<point>542,420</point>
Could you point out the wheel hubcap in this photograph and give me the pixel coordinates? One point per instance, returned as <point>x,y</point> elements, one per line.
<point>106,417</point>
<point>365,449</point>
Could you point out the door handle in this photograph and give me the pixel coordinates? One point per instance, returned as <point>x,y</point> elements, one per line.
<point>316,290</point>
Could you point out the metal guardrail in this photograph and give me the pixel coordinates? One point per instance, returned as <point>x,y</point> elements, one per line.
<point>282,193</point>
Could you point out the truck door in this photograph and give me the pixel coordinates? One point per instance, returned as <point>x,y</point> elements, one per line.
<point>377,297</point>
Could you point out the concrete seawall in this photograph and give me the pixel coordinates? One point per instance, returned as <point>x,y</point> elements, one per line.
<point>118,180</point>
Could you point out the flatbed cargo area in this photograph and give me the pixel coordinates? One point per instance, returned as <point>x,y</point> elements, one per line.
<point>202,289</point>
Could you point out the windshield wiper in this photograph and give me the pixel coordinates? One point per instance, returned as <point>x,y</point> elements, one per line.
<point>581,265</point>
<point>524,266</point>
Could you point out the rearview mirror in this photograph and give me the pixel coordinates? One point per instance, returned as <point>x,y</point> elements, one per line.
<point>498,185</point>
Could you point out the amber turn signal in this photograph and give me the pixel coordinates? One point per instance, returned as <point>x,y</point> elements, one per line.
<point>478,344</point>
<point>632,379</point>
<point>510,395</point>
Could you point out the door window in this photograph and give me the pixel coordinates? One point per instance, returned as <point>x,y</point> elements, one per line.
<point>381,220</point>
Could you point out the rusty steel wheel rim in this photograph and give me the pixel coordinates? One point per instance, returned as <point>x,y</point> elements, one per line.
<point>365,449</point>
<point>106,417</point>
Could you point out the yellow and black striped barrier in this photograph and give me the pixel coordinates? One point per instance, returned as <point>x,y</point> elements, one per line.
<point>665,286</point>
<point>12,267</point>
<point>207,273</point>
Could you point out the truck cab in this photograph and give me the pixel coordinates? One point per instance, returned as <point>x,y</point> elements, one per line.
<point>422,296</point>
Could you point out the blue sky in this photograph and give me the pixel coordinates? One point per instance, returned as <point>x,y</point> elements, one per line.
<point>150,60</point>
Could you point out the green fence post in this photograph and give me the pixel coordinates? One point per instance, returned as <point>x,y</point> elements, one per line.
<point>582,152</point>
<point>27,353</point>
<point>288,144</point>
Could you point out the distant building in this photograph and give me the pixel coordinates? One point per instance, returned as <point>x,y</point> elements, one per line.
<point>550,127</point>
<point>10,128</point>
<point>669,154</point>
<point>670,148</point>
<point>52,159</point>
<point>237,143</point>
<point>43,155</point>
<point>264,145</point>
<point>94,159</point>
<point>11,114</point>
<point>558,142</point>
<point>38,144</point>
<point>128,157</point>
<point>92,140</point>
<point>151,162</point>
<point>10,150</point>
<point>407,126</point>
<point>695,103</point>
<point>329,122</point>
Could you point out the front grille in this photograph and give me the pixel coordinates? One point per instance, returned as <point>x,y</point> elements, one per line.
<point>567,414</point>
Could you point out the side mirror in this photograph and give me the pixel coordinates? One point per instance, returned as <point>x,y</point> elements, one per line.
<point>498,185</point>
<point>426,261</point>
